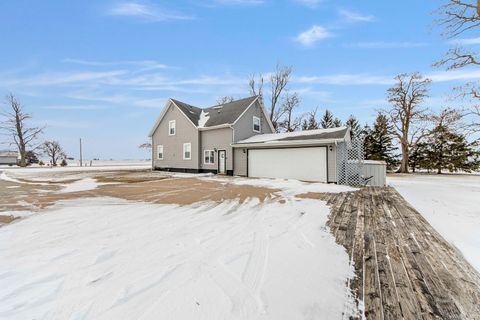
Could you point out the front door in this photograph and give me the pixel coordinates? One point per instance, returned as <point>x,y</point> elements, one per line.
<point>222,162</point>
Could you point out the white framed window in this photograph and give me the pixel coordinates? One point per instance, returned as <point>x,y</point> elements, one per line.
<point>160,152</point>
<point>187,151</point>
<point>256,124</point>
<point>171,127</point>
<point>209,157</point>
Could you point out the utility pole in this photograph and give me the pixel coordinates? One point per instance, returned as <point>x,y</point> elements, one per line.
<point>80,152</point>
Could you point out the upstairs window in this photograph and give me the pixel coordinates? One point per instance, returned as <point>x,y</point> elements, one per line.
<point>256,124</point>
<point>171,128</point>
<point>187,151</point>
<point>209,157</point>
<point>160,152</point>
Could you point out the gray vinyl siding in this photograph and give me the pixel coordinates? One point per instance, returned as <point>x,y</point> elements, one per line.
<point>220,139</point>
<point>244,126</point>
<point>8,160</point>
<point>332,163</point>
<point>240,161</point>
<point>173,145</point>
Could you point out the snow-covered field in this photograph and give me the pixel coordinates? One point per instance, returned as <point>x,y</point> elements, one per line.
<point>450,203</point>
<point>108,258</point>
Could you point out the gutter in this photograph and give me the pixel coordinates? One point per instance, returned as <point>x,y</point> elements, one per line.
<point>286,143</point>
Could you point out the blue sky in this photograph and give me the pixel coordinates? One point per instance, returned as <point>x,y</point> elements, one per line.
<point>102,70</point>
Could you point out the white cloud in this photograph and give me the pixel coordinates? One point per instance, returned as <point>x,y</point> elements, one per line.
<point>313,35</point>
<point>386,45</point>
<point>144,12</point>
<point>67,107</point>
<point>310,3</point>
<point>352,16</point>
<point>239,2</point>
<point>446,76</point>
<point>347,79</point>
<point>465,41</point>
<point>148,64</point>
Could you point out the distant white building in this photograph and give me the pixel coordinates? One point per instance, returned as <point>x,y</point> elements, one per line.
<point>8,157</point>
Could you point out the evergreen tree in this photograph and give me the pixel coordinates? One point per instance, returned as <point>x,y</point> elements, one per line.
<point>327,120</point>
<point>355,128</point>
<point>378,142</point>
<point>419,157</point>
<point>337,123</point>
<point>446,149</point>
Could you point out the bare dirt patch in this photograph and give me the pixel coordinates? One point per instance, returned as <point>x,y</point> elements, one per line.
<point>181,191</point>
<point>6,219</point>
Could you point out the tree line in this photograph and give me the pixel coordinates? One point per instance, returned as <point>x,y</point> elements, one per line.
<point>406,135</point>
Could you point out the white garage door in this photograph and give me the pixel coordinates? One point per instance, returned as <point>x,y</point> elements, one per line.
<point>307,164</point>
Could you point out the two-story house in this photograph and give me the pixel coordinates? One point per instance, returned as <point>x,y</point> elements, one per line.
<point>238,138</point>
<point>190,139</point>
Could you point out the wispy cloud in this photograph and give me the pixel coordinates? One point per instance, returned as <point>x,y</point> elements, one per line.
<point>446,76</point>
<point>465,41</point>
<point>310,3</point>
<point>313,35</point>
<point>239,2</point>
<point>386,45</point>
<point>147,12</point>
<point>150,64</point>
<point>352,16</point>
<point>347,79</point>
<point>63,78</point>
<point>67,107</point>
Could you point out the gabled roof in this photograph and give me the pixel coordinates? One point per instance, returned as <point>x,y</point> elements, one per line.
<point>226,113</point>
<point>317,135</point>
<point>218,115</point>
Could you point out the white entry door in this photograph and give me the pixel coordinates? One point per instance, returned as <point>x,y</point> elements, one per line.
<point>307,164</point>
<point>222,161</point>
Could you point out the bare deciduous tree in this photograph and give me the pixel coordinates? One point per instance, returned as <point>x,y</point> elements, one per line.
<point>14,125</point>
<point>256,85</point>
<point>291,122</point>
<point>54,151</point>
<point>457,17</point>
<point>146,145</point>
<point>224,99</point>
<point>406,114</point>
<point>279,80</point>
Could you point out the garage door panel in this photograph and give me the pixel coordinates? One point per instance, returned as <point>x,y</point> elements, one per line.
<point>308,164</point>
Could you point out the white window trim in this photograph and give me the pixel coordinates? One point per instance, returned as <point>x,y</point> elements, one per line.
<point>158,147</point>
<point>204,156</point>
<point>170,127</point>
<point>184,149</point>
<point>259,124</point>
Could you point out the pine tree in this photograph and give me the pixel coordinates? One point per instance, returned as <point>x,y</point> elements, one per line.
<point>337,123</point>
<point>355,129</point>
<point>419,157</point>
<point>446,149</point>
<point>327,120</point>
<point>378,142</point>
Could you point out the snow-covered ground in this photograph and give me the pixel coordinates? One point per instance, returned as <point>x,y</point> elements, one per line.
<point>450,203</point>
<point>107,258</point>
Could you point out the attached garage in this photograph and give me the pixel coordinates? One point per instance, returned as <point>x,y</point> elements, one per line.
<point>307,164</point>
<point>304,155</point>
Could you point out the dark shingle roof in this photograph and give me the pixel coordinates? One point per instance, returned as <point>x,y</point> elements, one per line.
<point>192,113</point>
<point>226,113</point>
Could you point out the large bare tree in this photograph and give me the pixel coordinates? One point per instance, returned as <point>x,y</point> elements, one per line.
<point>458,17</point>
<point>278,81</point>
<point>407,115</point>
<point>291,121</point>
<point>14,125</point>
<point>54,151</point>
<point>224,99</point>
